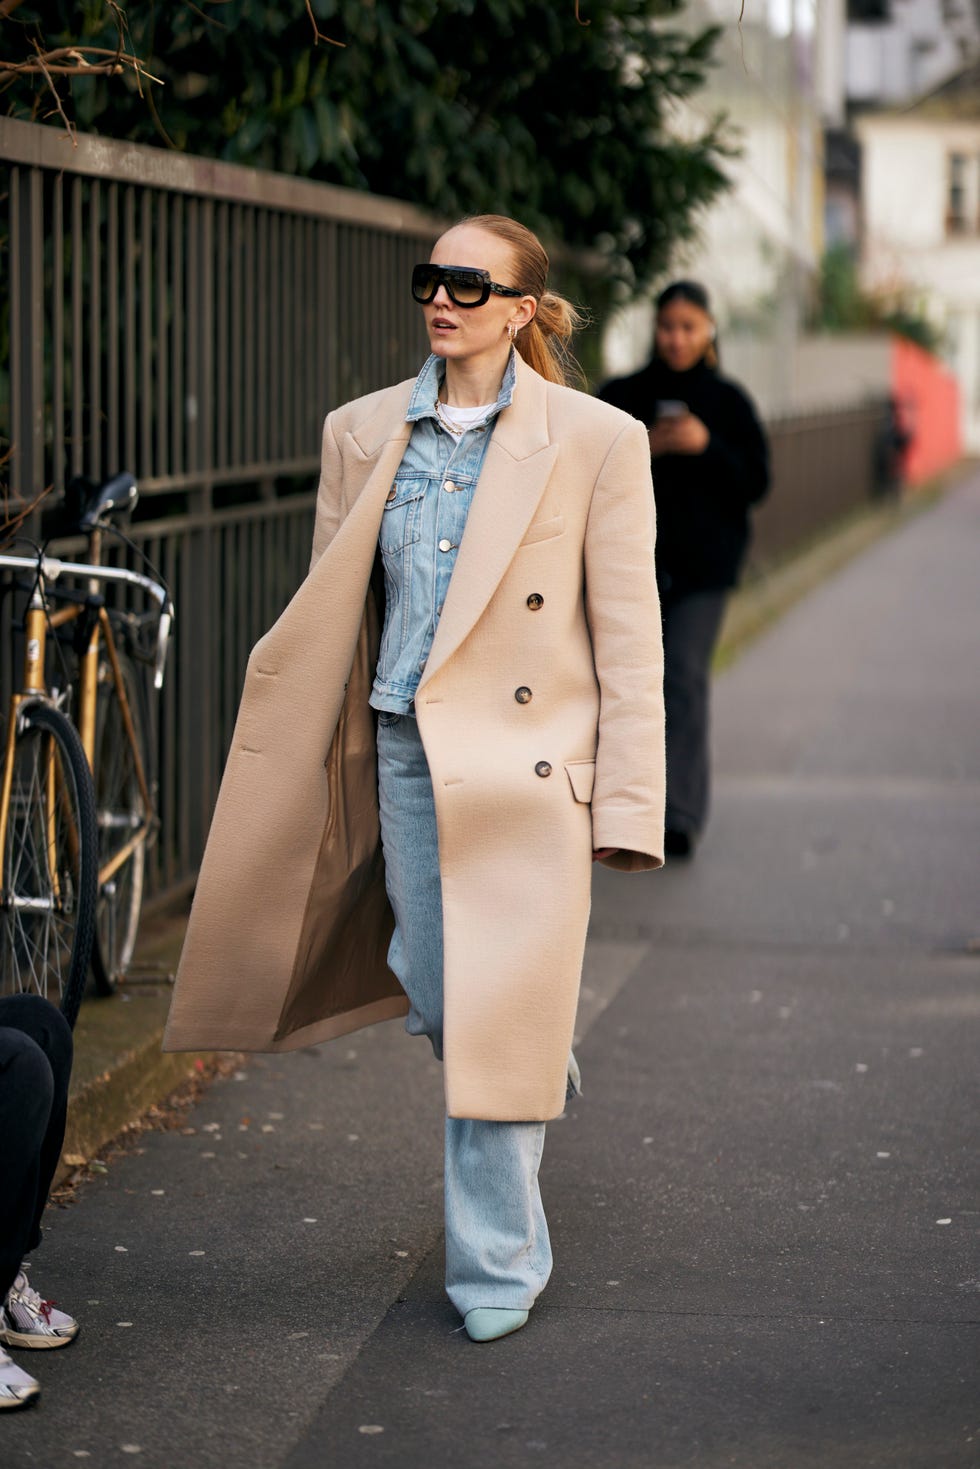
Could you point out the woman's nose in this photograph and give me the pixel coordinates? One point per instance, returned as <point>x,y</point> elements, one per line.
<point>442,296</point>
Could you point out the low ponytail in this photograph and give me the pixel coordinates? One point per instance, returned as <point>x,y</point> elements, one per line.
<point>544,342</point>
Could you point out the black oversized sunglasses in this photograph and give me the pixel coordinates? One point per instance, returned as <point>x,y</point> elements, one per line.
<point>465,286</point>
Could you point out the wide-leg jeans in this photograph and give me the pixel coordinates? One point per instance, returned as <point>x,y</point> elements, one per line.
<point>497,1248</point>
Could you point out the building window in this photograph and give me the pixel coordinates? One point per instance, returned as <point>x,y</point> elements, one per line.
<point>957,213</point>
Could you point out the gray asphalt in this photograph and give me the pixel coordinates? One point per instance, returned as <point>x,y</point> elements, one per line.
<point>764,1209</point>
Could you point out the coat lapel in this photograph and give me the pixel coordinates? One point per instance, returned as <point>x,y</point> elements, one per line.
<point>515,473</point>
<point>372,452</point>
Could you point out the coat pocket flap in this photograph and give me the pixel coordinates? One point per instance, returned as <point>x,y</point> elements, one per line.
<point>581,775</point>
<point>543,530</point>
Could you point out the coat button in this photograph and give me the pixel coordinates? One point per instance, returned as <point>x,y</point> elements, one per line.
<point>535,601</point>
<point>523,695</point>
<point>445,545</point>
<point>542,768</point>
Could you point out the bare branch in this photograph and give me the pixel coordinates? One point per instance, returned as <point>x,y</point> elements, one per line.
<point>79,66</point>
<point>54,92</point>
<point>318,35</point>
<point>11,524</point>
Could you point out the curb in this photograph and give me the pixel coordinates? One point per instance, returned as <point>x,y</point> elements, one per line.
<point>119,1070</point>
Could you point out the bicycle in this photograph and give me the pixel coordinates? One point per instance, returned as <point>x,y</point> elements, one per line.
<point>77,806</point>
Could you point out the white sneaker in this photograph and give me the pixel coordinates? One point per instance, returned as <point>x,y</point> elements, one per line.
<point>17,1390</point>
<point>28,1321</point>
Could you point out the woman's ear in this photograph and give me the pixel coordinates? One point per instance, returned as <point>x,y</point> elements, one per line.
<point>525,311</point>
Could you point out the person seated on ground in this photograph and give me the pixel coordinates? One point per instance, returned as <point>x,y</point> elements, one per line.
<point>35,1067</point>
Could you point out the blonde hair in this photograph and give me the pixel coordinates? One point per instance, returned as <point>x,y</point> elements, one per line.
<point>544,342</point>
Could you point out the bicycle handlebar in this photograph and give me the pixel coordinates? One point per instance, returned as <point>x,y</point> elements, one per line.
<point>49,568</point>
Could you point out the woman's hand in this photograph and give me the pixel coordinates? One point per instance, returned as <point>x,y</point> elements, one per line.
<point>686,435</point>
<point>599,852</point>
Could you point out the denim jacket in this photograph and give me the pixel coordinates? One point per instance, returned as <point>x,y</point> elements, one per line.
<point>421,530</point>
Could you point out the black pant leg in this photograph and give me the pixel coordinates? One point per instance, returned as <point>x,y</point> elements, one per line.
<point>35,1070</point>
<point>691,625</point>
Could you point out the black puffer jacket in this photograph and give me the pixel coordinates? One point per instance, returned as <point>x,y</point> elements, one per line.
<point>702,499</point>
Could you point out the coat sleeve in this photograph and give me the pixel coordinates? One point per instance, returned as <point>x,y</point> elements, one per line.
<point>329,495</point>
<point>623,612</point>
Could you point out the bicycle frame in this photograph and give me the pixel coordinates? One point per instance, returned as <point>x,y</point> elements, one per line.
<point>37,622</point>
<point>35,642</point>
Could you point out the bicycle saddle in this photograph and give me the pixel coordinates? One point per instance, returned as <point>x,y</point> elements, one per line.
<point>100,502</point>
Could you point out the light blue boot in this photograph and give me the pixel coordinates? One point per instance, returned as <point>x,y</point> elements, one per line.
<point>487,1323</point>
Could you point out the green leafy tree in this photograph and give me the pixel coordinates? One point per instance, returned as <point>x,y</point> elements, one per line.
<point>556,112</point>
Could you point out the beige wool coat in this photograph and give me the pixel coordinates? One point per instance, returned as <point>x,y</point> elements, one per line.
<point>553,591</point>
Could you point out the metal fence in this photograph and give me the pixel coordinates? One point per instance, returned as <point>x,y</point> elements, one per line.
<point>823,466</point>
<point>192,321</point>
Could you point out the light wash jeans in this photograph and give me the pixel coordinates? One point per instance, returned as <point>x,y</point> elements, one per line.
<point>497,1248</point>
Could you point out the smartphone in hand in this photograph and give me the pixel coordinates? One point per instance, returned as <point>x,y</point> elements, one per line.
<point>671,408</point>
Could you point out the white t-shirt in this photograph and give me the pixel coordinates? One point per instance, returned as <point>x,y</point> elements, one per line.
<point>458,420</point>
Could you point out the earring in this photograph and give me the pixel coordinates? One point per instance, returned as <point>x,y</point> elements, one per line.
<point>512,330</point>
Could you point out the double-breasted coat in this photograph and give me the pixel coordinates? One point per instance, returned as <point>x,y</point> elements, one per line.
<point>554,592</point>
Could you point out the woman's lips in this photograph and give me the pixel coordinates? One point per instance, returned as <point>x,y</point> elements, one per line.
<point>440,324</point>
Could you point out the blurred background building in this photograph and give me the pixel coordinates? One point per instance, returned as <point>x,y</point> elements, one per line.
<point>858,124</point>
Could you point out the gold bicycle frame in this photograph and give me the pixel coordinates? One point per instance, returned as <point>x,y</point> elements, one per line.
<point>35,627</point>
<point>96,633</point>
<point>87,704</point>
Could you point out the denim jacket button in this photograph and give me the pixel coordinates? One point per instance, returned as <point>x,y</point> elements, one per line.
<point>445,545</point>
<point>449,487</point>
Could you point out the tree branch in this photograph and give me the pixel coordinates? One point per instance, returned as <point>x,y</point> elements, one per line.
<point>318,35</point>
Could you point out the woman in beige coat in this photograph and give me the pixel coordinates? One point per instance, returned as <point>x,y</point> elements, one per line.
<point>439,735</point>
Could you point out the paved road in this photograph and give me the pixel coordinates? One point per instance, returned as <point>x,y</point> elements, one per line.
<point>764,1209</point>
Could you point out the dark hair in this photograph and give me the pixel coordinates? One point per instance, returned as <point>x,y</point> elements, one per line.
<point>685,291</point>
<point>696,295</point>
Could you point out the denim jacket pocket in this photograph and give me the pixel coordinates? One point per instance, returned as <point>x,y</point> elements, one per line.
<point>401,523</point>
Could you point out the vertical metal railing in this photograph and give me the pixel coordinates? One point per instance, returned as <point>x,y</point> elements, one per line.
<point>192,322</point>
<point>824,466</point>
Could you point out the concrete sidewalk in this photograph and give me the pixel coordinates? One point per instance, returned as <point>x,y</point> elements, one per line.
<point>120,1069</point>
<point>763,1209</point>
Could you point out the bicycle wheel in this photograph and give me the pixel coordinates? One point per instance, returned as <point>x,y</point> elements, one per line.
<point>122,816</point>
<point>47,909</point>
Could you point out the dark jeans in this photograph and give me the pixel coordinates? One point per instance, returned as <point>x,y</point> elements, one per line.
<point>691,624</point>
<point>35,1067</point>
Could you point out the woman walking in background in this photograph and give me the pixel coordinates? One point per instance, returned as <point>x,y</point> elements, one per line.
<point>495,689</point>
<point>710,464</point>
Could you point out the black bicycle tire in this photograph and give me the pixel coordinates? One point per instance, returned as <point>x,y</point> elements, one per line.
<point>104,969</point>
<point>42,716</point>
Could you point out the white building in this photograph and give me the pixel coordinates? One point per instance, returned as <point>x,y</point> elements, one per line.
<point>780,81</point>
<point>921,219</point>
<point>899,49</point>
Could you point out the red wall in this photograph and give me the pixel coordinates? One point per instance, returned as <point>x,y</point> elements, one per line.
<point>927,395</point>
